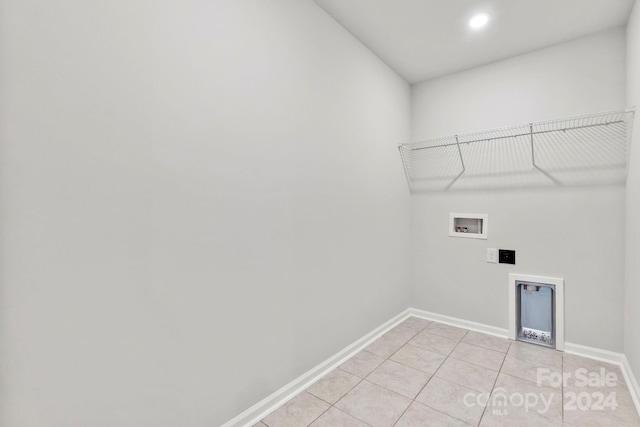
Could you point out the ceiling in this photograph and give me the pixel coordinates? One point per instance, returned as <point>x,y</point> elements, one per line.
<point>423,39</point>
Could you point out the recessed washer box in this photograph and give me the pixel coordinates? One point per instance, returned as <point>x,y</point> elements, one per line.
<point>468,225</point>
<point>536,310</point>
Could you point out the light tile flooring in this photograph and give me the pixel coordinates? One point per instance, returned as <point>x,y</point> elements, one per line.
<point>424,373</point>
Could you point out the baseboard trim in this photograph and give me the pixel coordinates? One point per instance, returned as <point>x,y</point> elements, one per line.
<point>263,408</point>
<point>615,359</point>
<point>269,404</point>
<point>594,353</point>
<point>632,382</point>
<point>577,349</point>
<point>460,323</point>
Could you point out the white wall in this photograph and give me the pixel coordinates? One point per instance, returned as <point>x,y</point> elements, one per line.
<point>632,225</point>
<point>574,233</point>
<point>200,201</point>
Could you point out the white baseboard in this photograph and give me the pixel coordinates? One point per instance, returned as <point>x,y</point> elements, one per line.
<point>609,357</point>
<point>594,353</point>
<point>632,382</point>
<point>579,350</point>
<point>263,408</point>
<point>460,323</point>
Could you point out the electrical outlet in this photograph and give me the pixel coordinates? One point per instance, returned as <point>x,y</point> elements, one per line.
<point>492,255</point>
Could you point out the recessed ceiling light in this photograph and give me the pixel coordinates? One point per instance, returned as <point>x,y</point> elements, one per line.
<point>479,20</point>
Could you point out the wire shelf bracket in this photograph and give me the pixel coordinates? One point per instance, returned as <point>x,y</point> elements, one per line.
<point>585,150</point>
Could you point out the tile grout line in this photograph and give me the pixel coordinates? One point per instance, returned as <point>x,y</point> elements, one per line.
<point>323,412</point>
<point>494,386</point>
<point>446,356</point>
<point>404,412</point>
<point>453,382</point>
<point>485,348</point>
<point>356,385</point>
<point>419,347</point>
<point>459,341</point>
<point>332,405</point>
<point>404,343</point>
<point>475,364</point>
<point>414,398</point>
<point>433,376</point>
<point>411,367</point>
<point>389,359</point>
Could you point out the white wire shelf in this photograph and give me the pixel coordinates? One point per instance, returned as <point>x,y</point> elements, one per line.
<point>585,150</point>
